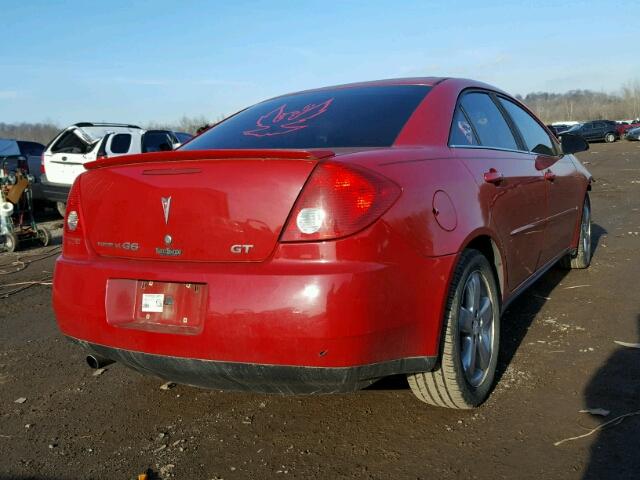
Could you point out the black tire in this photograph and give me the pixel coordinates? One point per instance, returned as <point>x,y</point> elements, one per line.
<point>44,236</point>
<point>62,208</point>
<point>610,137</point>
<point>450,385</point>
<point>582,256</point>
<point>10,242</point>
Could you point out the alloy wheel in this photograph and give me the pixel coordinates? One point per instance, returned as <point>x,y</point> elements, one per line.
<point>477,335</point>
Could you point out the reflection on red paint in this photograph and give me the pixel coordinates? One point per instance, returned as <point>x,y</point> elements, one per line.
<point>279,121</point>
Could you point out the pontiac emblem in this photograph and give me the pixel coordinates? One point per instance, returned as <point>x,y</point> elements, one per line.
<point>166,207</point>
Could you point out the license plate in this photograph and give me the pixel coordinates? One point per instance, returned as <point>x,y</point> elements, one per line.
<point>152,302</point>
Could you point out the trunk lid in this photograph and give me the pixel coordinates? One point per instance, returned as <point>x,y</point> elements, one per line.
<point>214,206</point>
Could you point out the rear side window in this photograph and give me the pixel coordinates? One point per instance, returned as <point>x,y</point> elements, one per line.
<point>534,136</point>
<point>329,118</point>
<point>461,131</point>
<point>488,122</point>
<point>120,143</point>
<point>156,142</point>
<point>69,142</point>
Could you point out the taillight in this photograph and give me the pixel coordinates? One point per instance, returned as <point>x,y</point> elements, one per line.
<point>73,244</point>
<point>337,201</point>
<point>72,213</point>
<point>42,169</point>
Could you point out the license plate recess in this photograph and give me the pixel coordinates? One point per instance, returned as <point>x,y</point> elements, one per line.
<point>163,307</point>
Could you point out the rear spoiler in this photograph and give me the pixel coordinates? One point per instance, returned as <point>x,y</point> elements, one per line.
<point>183,155</point>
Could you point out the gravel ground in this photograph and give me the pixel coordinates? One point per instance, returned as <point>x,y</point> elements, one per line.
<point>60,421</point>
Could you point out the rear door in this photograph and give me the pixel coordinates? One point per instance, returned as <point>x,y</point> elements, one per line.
<point>117,144</point>
<point>510,184</point>
<point>563,186</point>
<point>588,132</point>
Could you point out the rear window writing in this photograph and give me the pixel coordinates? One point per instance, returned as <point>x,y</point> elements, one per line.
<point>332,118</point>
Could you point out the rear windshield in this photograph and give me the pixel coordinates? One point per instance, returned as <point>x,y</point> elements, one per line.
<point>70,142</point>
<point>347,117</point>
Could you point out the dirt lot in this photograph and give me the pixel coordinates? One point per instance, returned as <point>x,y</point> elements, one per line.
<point>559,357</point>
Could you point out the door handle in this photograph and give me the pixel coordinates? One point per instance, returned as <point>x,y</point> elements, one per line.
<point>493,176</point>
<point>64,158</point>
<point>549,175</point>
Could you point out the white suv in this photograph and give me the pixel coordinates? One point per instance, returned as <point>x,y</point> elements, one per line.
<point>64,157</point>
<point>140,141</point>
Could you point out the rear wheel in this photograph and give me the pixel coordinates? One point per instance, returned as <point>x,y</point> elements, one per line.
<point>609,138</point>
<point>10,242</point>
<point>44,236</point>
<point>582,256</point>
<point>470,339</point>
<point>62,208</point>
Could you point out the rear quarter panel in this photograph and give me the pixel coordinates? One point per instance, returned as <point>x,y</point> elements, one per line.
<point>432,228</point>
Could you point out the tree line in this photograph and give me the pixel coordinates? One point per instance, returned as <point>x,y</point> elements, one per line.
<point>575,105</point>
<point>45,132</point>
<point>584,105</point>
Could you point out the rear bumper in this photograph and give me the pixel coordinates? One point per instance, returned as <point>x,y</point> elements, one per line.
<point>282,379</point>
<point>55,192</point>
<point>280,319</point>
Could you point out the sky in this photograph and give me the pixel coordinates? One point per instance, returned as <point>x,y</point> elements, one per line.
<point>155,61</point>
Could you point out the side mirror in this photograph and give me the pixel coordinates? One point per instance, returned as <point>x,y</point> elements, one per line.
<point>573,143</point>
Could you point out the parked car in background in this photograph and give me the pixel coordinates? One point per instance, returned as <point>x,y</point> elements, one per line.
<point>183,137</point>
<point>138,141</point>
<point>553,130</point>
<point>321,240</point>
<point>623,128</point>
<point>32,151</point>
<point>558,129</point>
<point>633,134</point>
<point>64,158</point>
<point>596,131</point>
<point>562,128</point>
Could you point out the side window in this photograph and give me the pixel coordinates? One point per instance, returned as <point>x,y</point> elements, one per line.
<point>488,122</point>
<point>156,141</point>
<point>534,136</point>
<point>461,132</point>
<point>120,143</point>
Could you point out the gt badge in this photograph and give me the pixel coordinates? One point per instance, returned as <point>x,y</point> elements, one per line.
<point>241,248</point>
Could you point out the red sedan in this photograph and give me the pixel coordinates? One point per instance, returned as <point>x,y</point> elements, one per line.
<point>319,241</point>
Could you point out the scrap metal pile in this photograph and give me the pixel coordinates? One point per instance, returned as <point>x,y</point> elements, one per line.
<point>17,224</point>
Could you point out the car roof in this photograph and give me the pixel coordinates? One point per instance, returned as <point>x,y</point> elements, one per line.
<point>426,81</point>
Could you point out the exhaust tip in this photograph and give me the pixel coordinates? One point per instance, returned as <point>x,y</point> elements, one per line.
<point>96,361</point>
